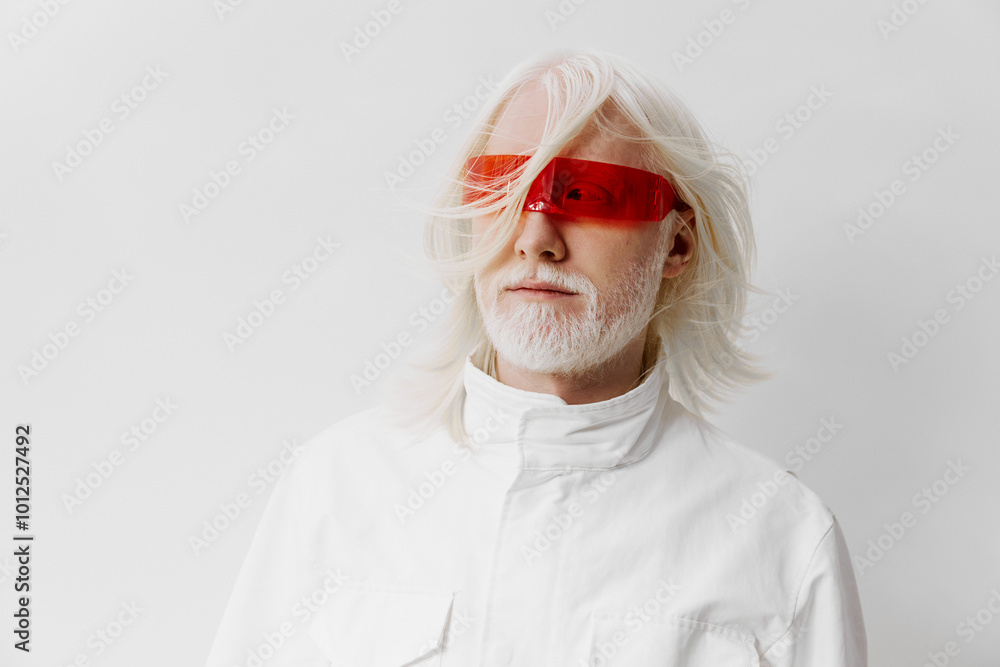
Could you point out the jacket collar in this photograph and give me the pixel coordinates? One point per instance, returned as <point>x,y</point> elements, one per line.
<point>542,432</point>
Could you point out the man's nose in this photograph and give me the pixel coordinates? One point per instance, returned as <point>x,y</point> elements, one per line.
<point>539,235</point>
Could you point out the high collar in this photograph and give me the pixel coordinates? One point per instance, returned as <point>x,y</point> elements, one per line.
<point>543,432</point>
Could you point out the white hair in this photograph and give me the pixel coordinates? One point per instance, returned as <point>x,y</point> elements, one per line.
<point>698,315</point>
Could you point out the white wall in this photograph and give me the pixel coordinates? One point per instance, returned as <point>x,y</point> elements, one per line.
<point>162,335</point>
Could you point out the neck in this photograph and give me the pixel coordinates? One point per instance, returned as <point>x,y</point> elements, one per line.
<point>615,377</point>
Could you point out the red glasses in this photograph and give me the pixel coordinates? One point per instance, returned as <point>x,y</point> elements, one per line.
<point>578,188</point>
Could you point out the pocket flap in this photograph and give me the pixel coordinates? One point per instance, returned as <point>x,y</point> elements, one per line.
<point>381,625</point>
<point>668,641</point>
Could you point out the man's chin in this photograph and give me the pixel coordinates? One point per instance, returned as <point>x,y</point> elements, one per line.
<point>531,314</point>
<point>541,361</point>
<point>540,335</point>
<point>511,302</point>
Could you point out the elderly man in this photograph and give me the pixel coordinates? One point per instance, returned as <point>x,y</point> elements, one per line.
<point>550,493</point>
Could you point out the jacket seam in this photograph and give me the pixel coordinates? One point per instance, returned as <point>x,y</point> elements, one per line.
<point>798,593</point>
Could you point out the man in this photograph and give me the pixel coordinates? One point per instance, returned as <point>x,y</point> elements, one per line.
<point>543,499</point>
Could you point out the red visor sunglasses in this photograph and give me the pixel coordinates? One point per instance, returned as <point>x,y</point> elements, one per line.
<point>578,188</point>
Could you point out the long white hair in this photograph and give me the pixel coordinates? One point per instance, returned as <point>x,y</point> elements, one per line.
<point>694,327</point>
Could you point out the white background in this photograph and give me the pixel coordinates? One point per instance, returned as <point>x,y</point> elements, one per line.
<point>162,335</point>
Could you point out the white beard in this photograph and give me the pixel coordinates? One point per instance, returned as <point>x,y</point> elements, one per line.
<point>543,337</point>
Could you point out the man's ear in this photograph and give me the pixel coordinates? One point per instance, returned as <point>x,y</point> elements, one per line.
<point>681,245</point>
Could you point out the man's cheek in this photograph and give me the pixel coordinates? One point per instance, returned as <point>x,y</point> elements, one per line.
<point>484,292</point>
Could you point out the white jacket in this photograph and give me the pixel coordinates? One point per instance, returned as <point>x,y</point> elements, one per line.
<point>625,532</point>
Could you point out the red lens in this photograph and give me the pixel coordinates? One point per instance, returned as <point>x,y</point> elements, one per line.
<point>489,174</point>
<point>576,188</point>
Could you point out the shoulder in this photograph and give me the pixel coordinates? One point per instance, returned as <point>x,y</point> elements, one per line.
<point>358,451</point>
<point>759,517</point>
<point>755,495</point>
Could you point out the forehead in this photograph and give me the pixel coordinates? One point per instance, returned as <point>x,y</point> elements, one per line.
<point>522,126</point>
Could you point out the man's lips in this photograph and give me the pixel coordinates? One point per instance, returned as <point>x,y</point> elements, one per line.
<point>544,294</point>
<point>536,287</point>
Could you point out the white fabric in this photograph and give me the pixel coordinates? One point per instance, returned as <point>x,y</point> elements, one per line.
<point>624,532</point>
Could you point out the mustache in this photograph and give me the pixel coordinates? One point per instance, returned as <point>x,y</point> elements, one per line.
<point>544,273</point>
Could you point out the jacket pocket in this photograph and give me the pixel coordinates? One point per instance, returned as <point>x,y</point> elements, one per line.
<point>666,641</point>
<point>380,625</point>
